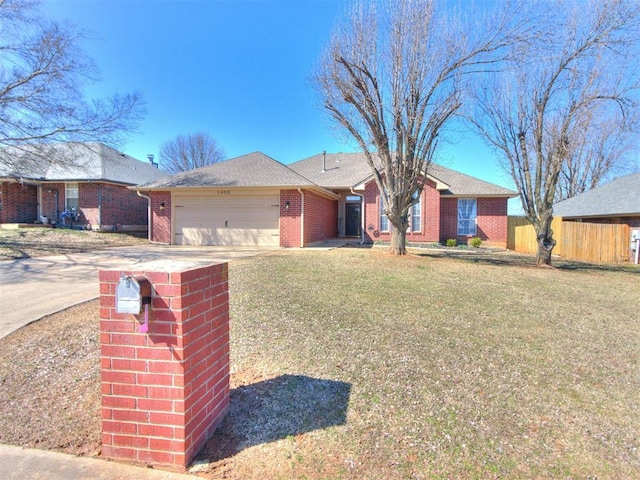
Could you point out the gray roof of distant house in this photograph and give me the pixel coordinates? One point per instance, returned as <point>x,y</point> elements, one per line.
<point>251,170</point>
<point>79,162</point>
<point>619,197</point>
<point>347,170</point>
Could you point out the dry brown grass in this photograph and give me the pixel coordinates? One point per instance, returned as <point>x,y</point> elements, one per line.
<point>355,364</point>
<point>38,242</point>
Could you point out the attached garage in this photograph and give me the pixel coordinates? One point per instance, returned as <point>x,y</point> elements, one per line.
<point>227,218</point>
<point>251,200</point>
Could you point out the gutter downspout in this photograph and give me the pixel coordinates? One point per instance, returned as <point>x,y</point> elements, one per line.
<point>301,217</point>
<point>362,215</point>
<point>100,207</point>
<point>148,214</point>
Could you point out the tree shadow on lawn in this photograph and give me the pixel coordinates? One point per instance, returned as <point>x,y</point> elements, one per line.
<point>513,259</point>
<point>275,409</point>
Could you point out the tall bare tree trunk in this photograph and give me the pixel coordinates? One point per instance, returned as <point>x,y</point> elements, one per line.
<point>398,241</point>
<point>545,241</point>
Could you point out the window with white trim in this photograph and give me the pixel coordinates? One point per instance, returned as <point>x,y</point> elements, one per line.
<point>416,214</point>
<point>384,221</point>
<point>467,215</point>
<point>72,196</point>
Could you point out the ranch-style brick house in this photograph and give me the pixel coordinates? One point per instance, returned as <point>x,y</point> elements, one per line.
<point>256,200</point>
<point>85,187</point>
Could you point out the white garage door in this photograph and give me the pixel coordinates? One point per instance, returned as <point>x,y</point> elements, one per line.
<point>251,220</point>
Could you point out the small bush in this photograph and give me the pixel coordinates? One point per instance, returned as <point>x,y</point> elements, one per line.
<point>451,242</point>
<point>475,242</point>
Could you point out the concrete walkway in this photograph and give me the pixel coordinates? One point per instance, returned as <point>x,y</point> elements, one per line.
<point>32,288</point>
<point>27,464</point>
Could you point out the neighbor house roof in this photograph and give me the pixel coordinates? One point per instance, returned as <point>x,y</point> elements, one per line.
<point>348,170</point>
<point>252,170</point>
<point>78,162</point>
<point>620,197</point>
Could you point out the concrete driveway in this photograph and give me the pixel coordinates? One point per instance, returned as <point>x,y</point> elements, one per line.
<point>32,288</point>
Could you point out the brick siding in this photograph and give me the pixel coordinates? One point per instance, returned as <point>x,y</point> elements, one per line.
<point>164,392</point>
<point>115,203</point>
<point>449,219</point>
<point>429,221</point>
<point>491,220</point>
<point>18,203</point>
<point>49,208</point>
<point>160,217</point>
<point>320,218</point>
<point>290,223</point>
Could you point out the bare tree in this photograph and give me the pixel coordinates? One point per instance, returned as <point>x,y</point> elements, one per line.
<point>186,152</point>
<point>392,77</point>
<point>564,105</point>
<point>43,73</point>
<point>603,151</point>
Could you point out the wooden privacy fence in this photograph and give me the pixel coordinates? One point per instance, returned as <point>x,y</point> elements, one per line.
<point>522,237</point>
<point>589,242</point>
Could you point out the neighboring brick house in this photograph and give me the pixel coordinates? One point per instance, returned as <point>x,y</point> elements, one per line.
<point>85,186</point>
<point>255,200</point>
<point>615,202</point>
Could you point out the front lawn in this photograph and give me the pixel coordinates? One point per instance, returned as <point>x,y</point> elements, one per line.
<point>457,368</point>
<point>351,363</point>
<point>38,242</point>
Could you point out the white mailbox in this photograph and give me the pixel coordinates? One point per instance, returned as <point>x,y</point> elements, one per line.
<point>635,235</point>
<point>132,293</point>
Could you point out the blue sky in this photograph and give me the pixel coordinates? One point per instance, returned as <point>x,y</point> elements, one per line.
<point>238,70</point>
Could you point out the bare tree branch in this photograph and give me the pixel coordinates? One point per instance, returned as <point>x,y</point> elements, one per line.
<point>565,111</point>
<point>43,73</point>
<point>186,152</point>
<point>394,75</point>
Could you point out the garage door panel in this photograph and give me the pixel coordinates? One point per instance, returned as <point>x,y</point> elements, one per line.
<point>227,220</point>
<point>229,237</point>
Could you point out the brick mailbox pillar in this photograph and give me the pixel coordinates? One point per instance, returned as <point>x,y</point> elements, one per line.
<point>165,391</point>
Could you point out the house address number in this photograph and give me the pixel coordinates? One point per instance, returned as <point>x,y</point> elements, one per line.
<point>223,192</point>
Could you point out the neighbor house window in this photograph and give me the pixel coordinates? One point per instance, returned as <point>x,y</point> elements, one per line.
<point>416,215</point>
<point>467,213</point>
<point>384,221</point>
<point>72,195</point>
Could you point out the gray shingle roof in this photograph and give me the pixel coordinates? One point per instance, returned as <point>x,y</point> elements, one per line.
<point>80,162</point>
<point>346,170</point>
<point>252,170</point>
<point>619,197</point>
<point>341,170</point>
<point>461,184</point>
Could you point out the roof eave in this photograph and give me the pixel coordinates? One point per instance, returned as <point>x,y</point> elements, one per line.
<point>321,190</point>
<point>481,195</point>
<point>601,215</point>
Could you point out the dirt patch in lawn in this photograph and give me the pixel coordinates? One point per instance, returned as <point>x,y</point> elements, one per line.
<point>38,242</point>
<point>355,364</point>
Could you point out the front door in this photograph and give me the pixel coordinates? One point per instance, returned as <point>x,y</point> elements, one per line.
<point>352,228</point>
